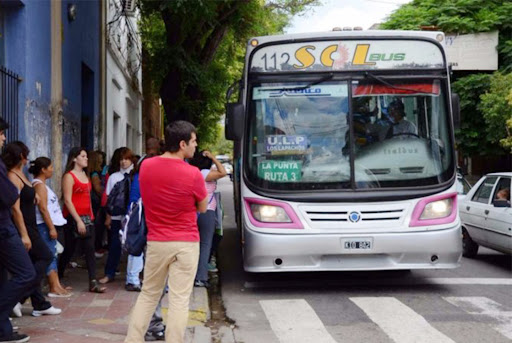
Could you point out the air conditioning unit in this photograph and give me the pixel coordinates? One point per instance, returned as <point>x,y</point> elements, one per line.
<point>129,6</point>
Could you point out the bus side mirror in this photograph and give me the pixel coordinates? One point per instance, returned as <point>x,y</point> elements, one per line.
<point>456,110</point>
<point>234,121</point>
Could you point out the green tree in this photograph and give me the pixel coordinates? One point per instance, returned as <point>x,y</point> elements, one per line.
<point>470,138</point>
<point>482,128</point>
<point>496,106</point>
<point>460,16</point>
<point>195,50</point>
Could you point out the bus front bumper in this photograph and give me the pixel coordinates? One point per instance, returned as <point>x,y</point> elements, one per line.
<point>436,249</point>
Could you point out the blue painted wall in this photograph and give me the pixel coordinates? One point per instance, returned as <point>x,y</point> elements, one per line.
<point>80,45</point>
<point>27,40</point>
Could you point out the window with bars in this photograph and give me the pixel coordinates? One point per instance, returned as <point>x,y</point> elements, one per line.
<point>9,82</point>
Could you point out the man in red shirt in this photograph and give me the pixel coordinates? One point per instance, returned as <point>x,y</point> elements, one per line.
<point>172,193</point>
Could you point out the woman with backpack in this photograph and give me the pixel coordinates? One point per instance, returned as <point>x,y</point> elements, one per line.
<point>76,190</point>
<point>118,191</point>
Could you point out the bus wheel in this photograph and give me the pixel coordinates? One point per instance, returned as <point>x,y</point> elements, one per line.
<point>469,247</point>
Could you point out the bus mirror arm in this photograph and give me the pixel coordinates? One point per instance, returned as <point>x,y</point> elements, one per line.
<point>234,121</point>
<point>456,110</point>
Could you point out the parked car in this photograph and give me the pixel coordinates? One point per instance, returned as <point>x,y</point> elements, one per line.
<point>229,169</point>
<point>486,215</point>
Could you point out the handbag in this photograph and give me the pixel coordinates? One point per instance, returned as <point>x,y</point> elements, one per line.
<point>89,226</point>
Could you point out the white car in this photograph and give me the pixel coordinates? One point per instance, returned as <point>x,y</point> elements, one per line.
<point>486,215</point>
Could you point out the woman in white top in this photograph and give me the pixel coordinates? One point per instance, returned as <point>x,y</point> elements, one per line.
<point>122,167</point>
<point>48,215</point>
<point>206,221</point>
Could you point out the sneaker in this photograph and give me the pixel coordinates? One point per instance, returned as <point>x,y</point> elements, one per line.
<point>16,338</point>
<point>199,283</point>
<point>50,311</point>
<point>16,311</point>
<point>130,287</point>
<point>155,336</point>
<point>14,328</point>
<point>98,254</point>
<point>212,268</point>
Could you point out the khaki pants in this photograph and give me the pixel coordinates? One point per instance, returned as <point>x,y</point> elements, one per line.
<point>178,260</point>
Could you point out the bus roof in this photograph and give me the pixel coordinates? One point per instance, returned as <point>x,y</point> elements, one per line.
<point>350,34</point>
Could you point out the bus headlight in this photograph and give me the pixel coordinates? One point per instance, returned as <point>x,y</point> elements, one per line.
<point>269,214</point>
<point>437,209</point>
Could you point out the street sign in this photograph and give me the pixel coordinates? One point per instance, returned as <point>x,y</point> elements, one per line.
<point>473,51</point>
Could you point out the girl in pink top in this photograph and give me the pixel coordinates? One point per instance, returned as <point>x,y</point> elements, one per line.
<point>206,221</point>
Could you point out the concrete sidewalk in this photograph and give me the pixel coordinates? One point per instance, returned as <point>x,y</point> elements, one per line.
<point>99,318</point>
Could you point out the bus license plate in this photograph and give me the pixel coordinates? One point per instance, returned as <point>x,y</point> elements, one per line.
<point>357,244</point>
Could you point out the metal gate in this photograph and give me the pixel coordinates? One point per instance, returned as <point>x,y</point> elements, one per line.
<point>9,101</point>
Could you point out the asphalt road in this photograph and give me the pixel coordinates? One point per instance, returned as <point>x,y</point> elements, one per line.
<point>470,304</point>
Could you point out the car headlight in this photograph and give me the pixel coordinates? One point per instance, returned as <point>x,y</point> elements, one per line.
<point>437,209</point>
<point>269,214</point>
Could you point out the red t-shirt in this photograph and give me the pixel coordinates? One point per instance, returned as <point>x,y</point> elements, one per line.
<point>81,198</point>
<point>170,189</point>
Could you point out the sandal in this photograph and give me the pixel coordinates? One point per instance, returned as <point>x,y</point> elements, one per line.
<point>94,287</point>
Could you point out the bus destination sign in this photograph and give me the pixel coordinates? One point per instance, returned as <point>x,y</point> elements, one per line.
<point>347,55</point>
<point>280,171</point>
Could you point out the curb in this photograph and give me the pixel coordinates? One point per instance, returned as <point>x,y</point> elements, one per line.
<point>199,312</point>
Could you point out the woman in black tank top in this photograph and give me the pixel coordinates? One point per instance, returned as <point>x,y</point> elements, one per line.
<point>24,217</point>
<point>27,204</point>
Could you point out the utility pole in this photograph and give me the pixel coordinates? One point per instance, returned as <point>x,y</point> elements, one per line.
<point>56,93</point>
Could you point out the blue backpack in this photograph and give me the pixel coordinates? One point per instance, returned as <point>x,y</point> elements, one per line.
<point>133,234</point>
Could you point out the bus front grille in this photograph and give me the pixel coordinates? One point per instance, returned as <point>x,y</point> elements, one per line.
<point>333,216</point>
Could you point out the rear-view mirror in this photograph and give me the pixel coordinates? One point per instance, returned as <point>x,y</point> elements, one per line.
<point>234,121</point>
<point>456,110</point>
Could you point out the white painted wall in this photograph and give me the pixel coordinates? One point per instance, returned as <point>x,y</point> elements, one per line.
<point>124,101</point>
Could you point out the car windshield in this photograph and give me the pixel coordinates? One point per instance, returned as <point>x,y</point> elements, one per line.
<point>300,139</point>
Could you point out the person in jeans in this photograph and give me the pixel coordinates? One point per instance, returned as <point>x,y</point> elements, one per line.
<point>15,157</point>
<point>136,263</point>
<point>76,190</point>
<point>94,166</point>
<point>206,221</point>
<point>14,257</point>
<point>48,216</point>
<point>172,193</point>
<point>124,167</point>
<point>156,329</point>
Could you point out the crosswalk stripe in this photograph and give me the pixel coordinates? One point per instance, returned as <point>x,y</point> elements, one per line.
<point>414,281</point>
<point>399,322</point>
<point>294,321</point>
<point>487,307</point>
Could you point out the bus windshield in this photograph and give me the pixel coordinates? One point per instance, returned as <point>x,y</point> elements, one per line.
<point>300,139</point>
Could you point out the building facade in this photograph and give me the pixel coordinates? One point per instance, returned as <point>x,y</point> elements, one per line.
<point>123,78</point>
<point>26,49</point>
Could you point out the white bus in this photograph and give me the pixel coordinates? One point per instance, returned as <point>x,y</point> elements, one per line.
<point>344,153</point>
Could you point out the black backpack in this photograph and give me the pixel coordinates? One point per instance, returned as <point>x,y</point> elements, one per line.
<point>117,200</point>
<point>133,234</point>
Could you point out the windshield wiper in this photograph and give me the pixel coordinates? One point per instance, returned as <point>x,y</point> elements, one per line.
<point>381,80</point>
<point>309,85</point>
